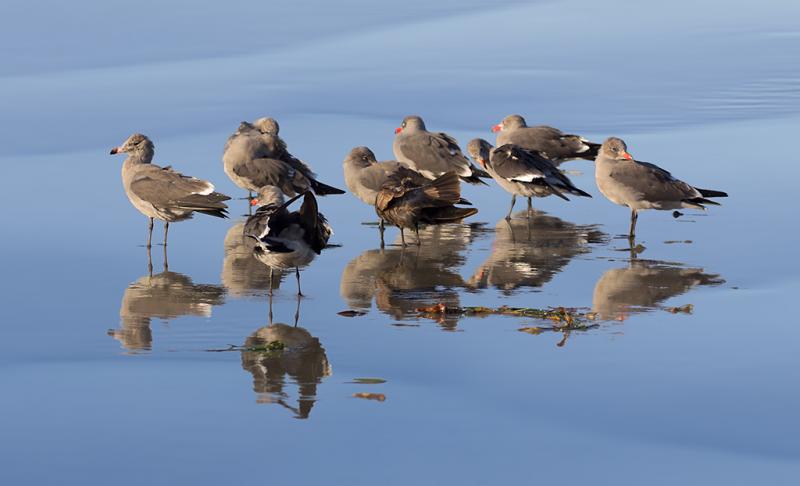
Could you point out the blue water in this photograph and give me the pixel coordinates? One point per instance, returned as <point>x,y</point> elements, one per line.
<point>107,373</point>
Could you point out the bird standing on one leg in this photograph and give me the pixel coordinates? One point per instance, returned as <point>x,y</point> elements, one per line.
<point>642,185</point>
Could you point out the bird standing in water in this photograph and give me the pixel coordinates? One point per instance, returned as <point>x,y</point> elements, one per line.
<point>287,240</point>
<point>642,185</point>
<point>406,204</point>
<point>522,172</point>
<point>161,192</point>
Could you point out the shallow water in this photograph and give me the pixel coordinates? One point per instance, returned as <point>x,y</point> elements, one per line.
<point>112,372</point>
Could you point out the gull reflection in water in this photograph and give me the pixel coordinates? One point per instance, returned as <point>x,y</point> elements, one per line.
<point>301,362</point>
<point>164,296</point>
<point>401,280</point>
<point>530,252</point>
<point>242,274</point>
<point>644,285</point>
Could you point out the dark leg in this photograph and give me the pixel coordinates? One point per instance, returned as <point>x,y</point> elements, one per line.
<point>166,230</point>
<point>149,232</point>
<point>403,237</point>
<point>513,200</point>
<point>166,263</point>
<point>382,228</point>
<point>634,217</point>
<point>297,274</point>
<point>530,208</point>
<point>416,231</point>
<point>149,263</point>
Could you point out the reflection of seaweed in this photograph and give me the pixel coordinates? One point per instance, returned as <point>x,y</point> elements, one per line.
<point>530,252</point>
<point>644,285</point>
<point>560,319</point>
<point>242,274</point>
<point>165,295</point>
<point>401,279</point>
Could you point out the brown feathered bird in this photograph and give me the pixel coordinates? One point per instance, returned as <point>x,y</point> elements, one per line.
<point>406,204</point>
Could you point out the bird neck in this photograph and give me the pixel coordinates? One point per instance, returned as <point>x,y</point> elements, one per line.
<point>143,156</point>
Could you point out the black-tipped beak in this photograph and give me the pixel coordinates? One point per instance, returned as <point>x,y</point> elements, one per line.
<point>114,151</point>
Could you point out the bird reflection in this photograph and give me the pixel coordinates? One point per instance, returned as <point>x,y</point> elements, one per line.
<point>242,274</point>
<point>302,361</point>
<point>401,280</point>
<point>643,285</point>
<point>530,252</point>
<point>165,295</point>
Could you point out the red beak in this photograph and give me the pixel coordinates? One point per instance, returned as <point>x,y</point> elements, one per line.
<point>254,202</point>
<point>482,163</point>
<point>627,155</point>
<point>497,128</point>
<point>398,130</point>
<point>114,151</point>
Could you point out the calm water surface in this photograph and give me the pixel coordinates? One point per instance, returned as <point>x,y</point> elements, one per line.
<point>116,367</point>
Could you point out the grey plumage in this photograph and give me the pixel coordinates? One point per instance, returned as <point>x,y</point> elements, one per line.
<point>642,185</point>
<point>551,142</point>
<point>365,176</point>
<point>161,192</point>
<point>432,154</point>
<point>255,156</point>
<point>522,172</point>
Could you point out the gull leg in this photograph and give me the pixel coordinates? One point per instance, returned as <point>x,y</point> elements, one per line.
<point>530,207</point>
<point>403,237</point>
<point>634,217</point>
<point>149,231</point>
<point>382,228</point>
<point>513,200</point>
<point>416,231</point>
<point>166,230</point>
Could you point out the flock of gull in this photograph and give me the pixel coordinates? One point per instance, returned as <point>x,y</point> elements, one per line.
<point>420,188</point>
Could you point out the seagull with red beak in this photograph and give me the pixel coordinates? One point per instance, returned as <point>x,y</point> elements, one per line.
<point>551,142</point>
<point>642,185</point>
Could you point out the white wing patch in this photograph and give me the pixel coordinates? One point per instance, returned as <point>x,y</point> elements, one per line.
<point>527,177</point>
<point>266,229</point>
<point>207,190</point>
